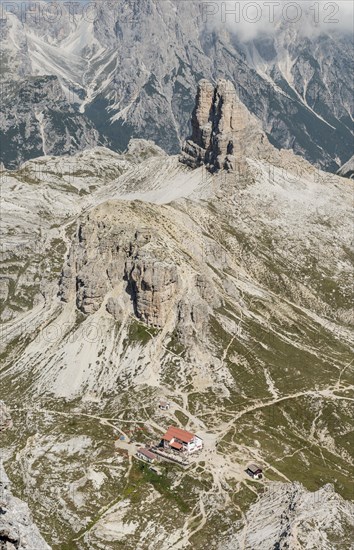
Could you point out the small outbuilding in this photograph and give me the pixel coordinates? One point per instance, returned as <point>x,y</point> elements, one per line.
<point>164,405</point>
<point>156,470</point>
<point>146,455</point>
<point>254,471</point>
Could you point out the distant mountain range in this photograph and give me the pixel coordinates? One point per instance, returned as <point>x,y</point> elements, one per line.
<point>131,70</point>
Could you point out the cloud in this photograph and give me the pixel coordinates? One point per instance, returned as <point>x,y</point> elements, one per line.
<point>250,19</point>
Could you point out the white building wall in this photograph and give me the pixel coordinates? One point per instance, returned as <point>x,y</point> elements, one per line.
<point>195,444</point>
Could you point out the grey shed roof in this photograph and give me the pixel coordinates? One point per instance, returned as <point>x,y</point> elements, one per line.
<point>253,468</point>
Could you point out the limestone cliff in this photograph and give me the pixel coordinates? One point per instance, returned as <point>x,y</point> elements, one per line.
<point>120,263</point>
<point>223,130</point>
<point>122,260</point>
<point>17,530</point>
<point>152,285</point>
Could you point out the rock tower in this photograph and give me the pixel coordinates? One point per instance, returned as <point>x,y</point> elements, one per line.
<point>222,128</point>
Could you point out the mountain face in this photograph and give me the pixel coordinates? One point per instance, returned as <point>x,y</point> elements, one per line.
<point>36,119</point>
<point>130,278</point>
<point>132,68</point>
<point>347,170</point>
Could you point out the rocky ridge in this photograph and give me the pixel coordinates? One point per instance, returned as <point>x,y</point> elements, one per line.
<point>287,516</point>
<point>17,530</point>
<point>37,119</point>
<point>126,267</point>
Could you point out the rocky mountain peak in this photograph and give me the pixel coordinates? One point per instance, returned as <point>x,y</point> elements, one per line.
<point>221,128</point>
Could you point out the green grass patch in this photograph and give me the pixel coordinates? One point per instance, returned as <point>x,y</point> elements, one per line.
<point>141,474</point>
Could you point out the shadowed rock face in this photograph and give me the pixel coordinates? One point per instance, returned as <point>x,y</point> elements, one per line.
<point>152,285</point>
<point>347,170</point>
<point>223,130</point>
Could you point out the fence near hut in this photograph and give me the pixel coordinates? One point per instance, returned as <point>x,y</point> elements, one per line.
<point>170,456</point>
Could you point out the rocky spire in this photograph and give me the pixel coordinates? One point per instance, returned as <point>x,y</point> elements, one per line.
<point>222,128</point>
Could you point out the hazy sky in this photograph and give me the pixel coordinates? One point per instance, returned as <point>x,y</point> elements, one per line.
<point>250,19</point>
<point>246,18</point>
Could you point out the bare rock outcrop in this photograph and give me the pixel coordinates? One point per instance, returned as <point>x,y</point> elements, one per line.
<point>122,259</point>
<point>347,170</point>
<point>288,516</point>
<point>152,285</point>
<point>223,129</point>
<point>120,263</point>
<point>194,308</point>
<point>96,261</point>
<point>17,530</point>
<point>5,417</point>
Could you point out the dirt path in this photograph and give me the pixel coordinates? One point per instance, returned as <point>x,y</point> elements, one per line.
<point>187,533</point>
<point>326,392</point>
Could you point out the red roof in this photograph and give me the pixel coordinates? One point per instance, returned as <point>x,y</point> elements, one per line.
<point>176,445</point>
<point>177,433</point>
<point>146,453</point>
